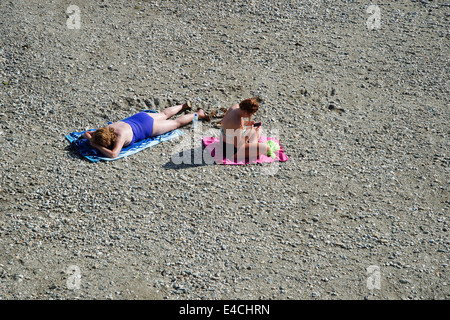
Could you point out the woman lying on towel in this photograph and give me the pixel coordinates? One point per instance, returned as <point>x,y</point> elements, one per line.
<point>111,139</point>
<point>239,137</point>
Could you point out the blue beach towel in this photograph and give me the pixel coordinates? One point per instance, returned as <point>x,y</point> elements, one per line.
<point>84,148</point>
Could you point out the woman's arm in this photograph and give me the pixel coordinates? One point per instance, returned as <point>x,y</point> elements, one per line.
<point>247,123</point>
<point>87,135</point>
<point>105,151</point>
<point>118,145</point>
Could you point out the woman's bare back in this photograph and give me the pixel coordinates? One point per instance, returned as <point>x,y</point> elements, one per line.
<point>123,129</point>
<point>232,119</point>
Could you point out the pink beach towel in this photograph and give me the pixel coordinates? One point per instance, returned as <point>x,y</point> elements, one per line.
<point>214,148</point>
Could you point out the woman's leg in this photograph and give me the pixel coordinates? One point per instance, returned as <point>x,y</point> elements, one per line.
<point>254,135</point>
<point>161,126</point>
<point>169,112</point>
<point>252,150</point>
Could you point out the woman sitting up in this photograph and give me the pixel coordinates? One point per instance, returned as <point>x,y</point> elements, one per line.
<point>239,136</point>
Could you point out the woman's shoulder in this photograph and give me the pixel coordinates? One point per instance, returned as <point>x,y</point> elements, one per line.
<point>233,109</point>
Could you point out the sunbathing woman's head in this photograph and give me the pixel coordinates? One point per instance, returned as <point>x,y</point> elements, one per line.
<point>249,106</point>
<point>104,137</point>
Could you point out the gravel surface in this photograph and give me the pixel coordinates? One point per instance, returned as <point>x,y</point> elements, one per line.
<point>360,211</point>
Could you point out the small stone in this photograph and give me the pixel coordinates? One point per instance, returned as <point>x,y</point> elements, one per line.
<point>404,281</point>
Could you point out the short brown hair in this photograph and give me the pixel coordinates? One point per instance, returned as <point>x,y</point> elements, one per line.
<point>250,105</point>
<point>104,137</point>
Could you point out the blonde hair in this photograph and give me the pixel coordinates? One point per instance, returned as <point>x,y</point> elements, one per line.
<point>104,137</point>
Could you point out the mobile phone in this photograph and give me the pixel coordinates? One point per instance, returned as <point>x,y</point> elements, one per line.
<point>257,124</point>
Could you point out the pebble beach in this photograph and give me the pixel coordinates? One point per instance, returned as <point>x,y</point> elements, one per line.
<point>356,92</point>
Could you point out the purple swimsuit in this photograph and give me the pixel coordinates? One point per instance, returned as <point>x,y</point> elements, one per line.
<point>142,125</point>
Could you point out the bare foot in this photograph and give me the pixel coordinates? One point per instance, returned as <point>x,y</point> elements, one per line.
<point>187,106</point>
<point>203,115</point>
